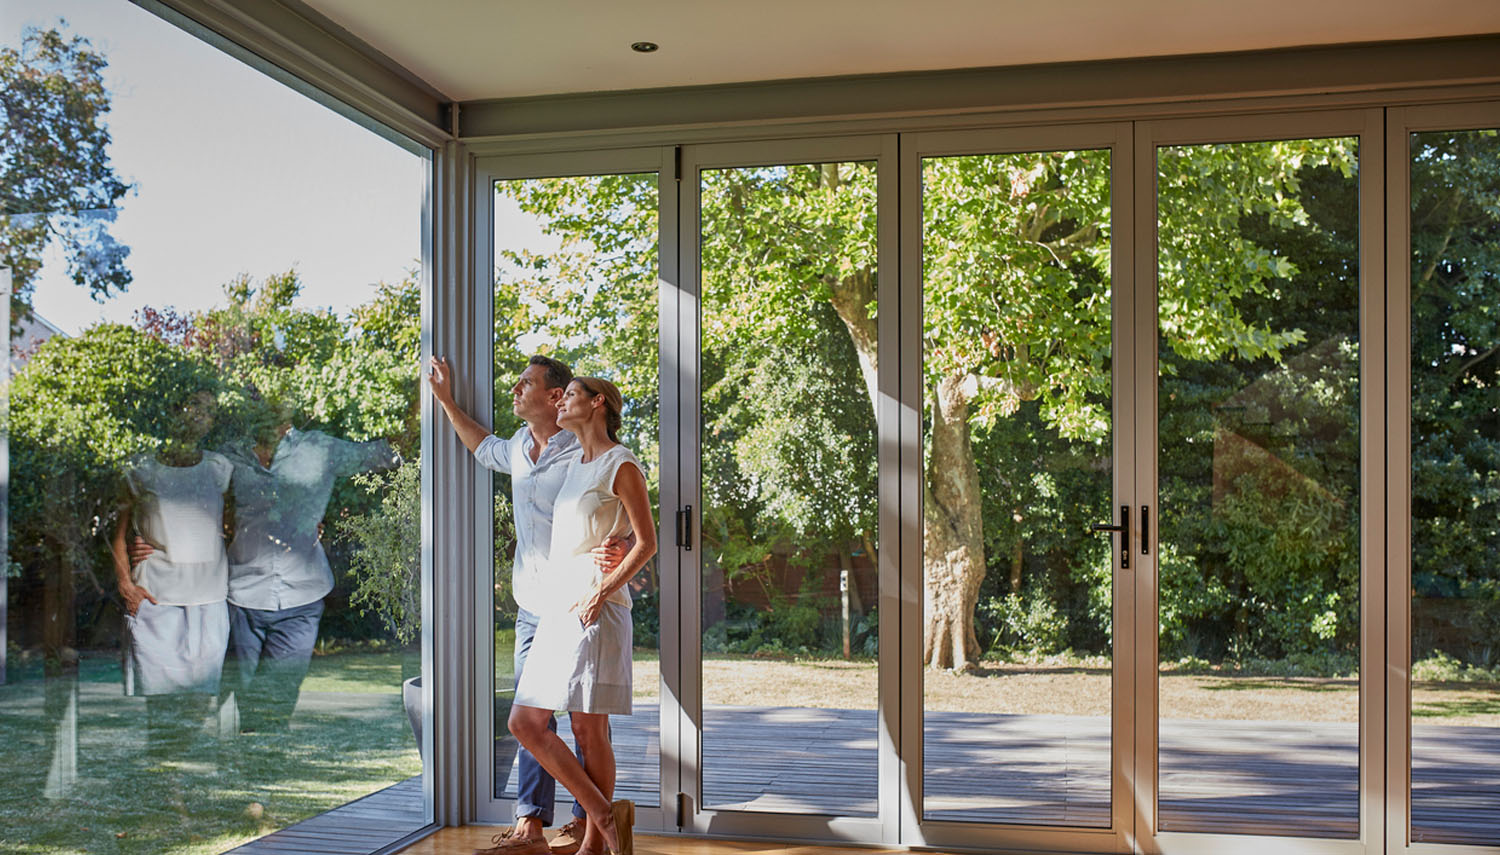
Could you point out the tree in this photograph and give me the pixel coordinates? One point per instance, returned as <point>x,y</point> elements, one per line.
<point>56,179</point>
<point>1016,298</point>
<point>1455,372</point>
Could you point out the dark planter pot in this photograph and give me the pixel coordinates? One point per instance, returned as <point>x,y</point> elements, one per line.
<point>411,698</point>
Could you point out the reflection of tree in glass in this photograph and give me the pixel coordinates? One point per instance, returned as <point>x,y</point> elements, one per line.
<point>56,180</point>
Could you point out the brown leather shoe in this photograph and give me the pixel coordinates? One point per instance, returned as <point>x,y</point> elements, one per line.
<point>623,811</point>
<point>507,843</point>
<point>569,837</point>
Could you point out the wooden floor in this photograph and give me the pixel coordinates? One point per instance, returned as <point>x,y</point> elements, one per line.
<point>1278,778</point>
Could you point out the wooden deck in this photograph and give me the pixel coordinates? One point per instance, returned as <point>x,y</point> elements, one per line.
<point>1281,778</point>
<point>360,827</point>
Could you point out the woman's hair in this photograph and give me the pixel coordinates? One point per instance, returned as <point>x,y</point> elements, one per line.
<point>614,402</point>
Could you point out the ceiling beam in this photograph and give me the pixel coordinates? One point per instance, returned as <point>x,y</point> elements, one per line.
<point>1373,67</point>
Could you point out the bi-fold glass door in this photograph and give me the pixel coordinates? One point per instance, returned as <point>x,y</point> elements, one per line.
<point>1016,323</point>
<point>1443,258</point>
<point>787,515</point>
<point>1032,488</point>
<point>583,268</point>
<point>1261,459</point>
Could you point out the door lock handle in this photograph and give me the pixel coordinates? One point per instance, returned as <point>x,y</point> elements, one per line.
<point>1124,531</point>
<point>684,528</point>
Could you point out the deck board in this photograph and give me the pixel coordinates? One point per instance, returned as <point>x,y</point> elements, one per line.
<point>357,828</point>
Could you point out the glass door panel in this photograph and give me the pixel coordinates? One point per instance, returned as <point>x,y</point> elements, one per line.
<point>1259,485</point>
<point>1019,426</point>
<point>576,280</point>
<point>788,524</point>
<point>1455,487</point>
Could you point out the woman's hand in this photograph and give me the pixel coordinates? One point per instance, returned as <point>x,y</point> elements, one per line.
<point>589,607</point>
<point>133,595</point>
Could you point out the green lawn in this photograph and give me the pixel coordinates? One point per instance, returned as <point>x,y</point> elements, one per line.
<point>89,787</point>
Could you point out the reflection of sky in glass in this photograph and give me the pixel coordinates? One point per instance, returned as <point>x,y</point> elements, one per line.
<point>233,173</point>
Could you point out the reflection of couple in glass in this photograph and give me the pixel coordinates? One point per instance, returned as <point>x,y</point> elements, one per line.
<point>190,599</point>
<point>580,497</point>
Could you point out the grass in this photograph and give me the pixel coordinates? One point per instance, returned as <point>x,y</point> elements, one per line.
<point>1068,686</point>
<point>350,737</point>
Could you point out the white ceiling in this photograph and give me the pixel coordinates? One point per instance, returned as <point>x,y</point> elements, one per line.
<point>479,49</point>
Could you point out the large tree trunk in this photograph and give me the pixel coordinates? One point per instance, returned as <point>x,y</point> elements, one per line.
<point>851,298</point>
<point>953,534</point>
<point>953,541</point>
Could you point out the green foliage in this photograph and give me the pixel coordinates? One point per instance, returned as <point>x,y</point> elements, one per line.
<point>1029,625</point>
<point>1455,408</point>
<point>386,559</point>
<point>56,180</point>
<point>1015,277</point>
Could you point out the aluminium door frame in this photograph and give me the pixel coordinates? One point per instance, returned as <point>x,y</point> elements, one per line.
<point>1368,126</point>
<point>693,818</point>
<point>1118,139</point>
<point>488,807</point>
<point>1401,123</point>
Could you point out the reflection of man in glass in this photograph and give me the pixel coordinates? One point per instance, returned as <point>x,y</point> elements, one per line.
<point>176,616</point>
<point>278,572</point>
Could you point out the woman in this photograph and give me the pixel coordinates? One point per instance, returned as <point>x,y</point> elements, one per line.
<point>175,600</point>
<point>580,659</point>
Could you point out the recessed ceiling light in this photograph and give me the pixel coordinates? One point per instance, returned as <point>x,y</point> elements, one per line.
<point>644,47</point>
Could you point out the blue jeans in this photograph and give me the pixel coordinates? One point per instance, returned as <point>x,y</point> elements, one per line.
<point>269,652</point>
<point>536,790</point>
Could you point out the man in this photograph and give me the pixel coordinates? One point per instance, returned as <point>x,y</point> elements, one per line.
<point>537,458</point>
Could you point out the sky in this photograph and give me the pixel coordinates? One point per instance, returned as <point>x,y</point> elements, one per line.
<point>233,173</point>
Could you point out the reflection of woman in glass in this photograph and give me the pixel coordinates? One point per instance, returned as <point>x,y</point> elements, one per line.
<point>176,614</point>
<point>580,659</point>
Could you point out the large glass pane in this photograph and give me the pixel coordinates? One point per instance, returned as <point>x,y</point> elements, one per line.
<point>576,280</point>
<point>213,561</point>
<point>1017,367</point>
<point>1259,563</point>
<point>1455,487</point>
<point>789,489</point>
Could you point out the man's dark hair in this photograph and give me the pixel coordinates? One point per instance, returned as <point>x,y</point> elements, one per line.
<point>557,374</point>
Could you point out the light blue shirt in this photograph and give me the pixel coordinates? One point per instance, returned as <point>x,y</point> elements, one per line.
<point>276,560</point>
<point>533,489</point>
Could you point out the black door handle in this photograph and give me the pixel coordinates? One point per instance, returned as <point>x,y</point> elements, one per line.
<point>685,528</point>
<point>1124,531</point>
<point>1145,530</point>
